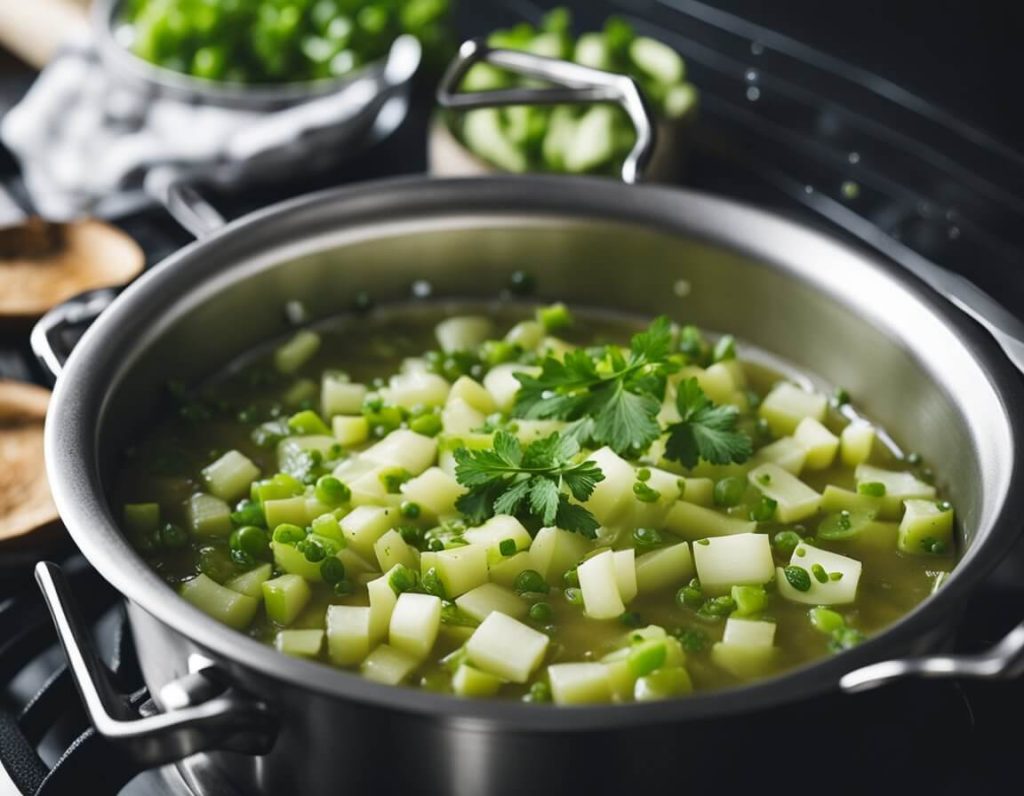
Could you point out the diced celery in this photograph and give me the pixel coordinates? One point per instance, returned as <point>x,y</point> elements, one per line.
<point>208,515</point>
<point>458,417</point>
<point>468,681</point>
<point>233,608</point>
<point>284,597</point>
<point>819,443</point>
<point>795,500</point>
<point>354,563</point>
<point>463,332</point>
<point>301,643</point>
<point>786,452</point>
<point>667,567</point>
<point>743,559</point>
<point>435,492</point>
<point>716,381</point>
<point>280,486</point>
<point>417,389</point>
<point>327,525</point>
<point>391,549</point>
<point>835,499</point>
<point>382,604</point>
<point>473,393</point>
<point>350,430</point>
<point>855,443</point>
<point>743,661</point>
<point>786,405</point>
<point>291,511</point>
<point>693,522</point>
<point>680,101</point>
<point>899,486</point>
<point>403,448</point>
<point>230,476</point>
<point>290,560</point>
<point>657,60</point>
<point>593,141</point>
<point>460,568</point>
<point>478,603</point>
<point>292,355</point>
<point>613,496</point>
<point>496,530</point>
<point>559,136</point>
<point>832,578</point>
<point>579,683</point>
<point>592,50</point>
<point>699,491</point>
<point>388,665</point>
<point>340,397</point>
<point>601,598</point>
<point>502,384</point>
<point>364,525</point>
<point>141,519</point>
<point>482,132</point>
<point>348,634</point>
<point>251,583</point>
<point>505,572</point>
<point>415,620</point>
<point>926,527</point>
<point>625,573</point>
<point>484,77</point>
<point>671,681</point>
<point>749,632</point>
<point>506,648</point>
<point>526,334</point>
<point>554,551</point>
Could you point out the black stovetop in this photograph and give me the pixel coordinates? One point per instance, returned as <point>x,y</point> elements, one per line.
<point>783,126</point>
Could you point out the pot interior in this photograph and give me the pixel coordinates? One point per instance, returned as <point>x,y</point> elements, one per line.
<point>853,328</point>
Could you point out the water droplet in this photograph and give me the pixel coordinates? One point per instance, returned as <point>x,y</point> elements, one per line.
<point>953,232</point>
<point>756,48</point>
<point>751,76</point>
<point>808,189</point>
<point>753,93</point>
<point>421,288</point>
<point>850,189</point>
<point>853,158</point>
<point>682,288</point>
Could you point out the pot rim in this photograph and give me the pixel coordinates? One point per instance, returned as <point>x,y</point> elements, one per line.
<point>74,473</point>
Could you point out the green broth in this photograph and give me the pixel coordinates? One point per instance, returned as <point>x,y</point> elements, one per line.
<point>164,468</point>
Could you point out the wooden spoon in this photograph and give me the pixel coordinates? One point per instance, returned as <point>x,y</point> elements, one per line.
<point>26,507</point>
<point>44,263</point>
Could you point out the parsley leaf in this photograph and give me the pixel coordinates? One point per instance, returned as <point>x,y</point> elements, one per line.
<point>622,393</point>
<point>528,483</point>
<point>706,431</point>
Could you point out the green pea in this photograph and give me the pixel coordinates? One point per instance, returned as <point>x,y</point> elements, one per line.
<point>530,581</point>
<point>286,533</point>
<point>332,570</point>
<point>798,578</point>
<point>332,492</point>
<point>729,491</point>
<point>541,612</point>
<point>251,540</point>
<point>786,542</point>
<point>172,537</point>
<point>409,509</point>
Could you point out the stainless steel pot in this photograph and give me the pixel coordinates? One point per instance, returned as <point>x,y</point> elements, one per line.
<point>281,725</point>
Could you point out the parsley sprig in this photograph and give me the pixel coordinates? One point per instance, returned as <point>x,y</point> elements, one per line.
<point>613,397</point>
<point>508,479</point>
<point>706,431</point>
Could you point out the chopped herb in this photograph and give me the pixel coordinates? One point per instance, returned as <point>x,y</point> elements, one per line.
<point>507,547</point>
<point>840,397</point>
<point>613,398</point>
<point>431,583</point>
<point>706,431</point>
<point>631,619</point>
<point>644,493</point>
<point>798,578</point>
<point>646,538</point>
<point>724,349</point>
<point>508,479</point>
<point>717,607</point>
<point>819,573</point>
<point>403,579</point>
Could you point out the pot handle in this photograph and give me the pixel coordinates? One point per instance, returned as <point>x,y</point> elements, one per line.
<point>1003,661</point>
<point>48,339</point>
<point>574,84</point>
<point>202,712</point>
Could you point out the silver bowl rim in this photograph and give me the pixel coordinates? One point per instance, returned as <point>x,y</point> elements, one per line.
<point>72,466</point>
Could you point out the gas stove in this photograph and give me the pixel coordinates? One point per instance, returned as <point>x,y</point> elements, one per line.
<point>783,126</point>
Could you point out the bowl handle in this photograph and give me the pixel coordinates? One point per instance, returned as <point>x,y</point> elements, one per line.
<point>574,84</point>
<point>48,339</point>
<point>201,710</point>
<point>1003,661</point>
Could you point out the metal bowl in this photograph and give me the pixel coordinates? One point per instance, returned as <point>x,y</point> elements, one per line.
<point>917,364</point>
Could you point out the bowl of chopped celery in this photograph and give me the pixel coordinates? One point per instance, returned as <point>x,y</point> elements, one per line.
<point>264,52</point>
<point>568,138</point>
<point>486,485</point>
